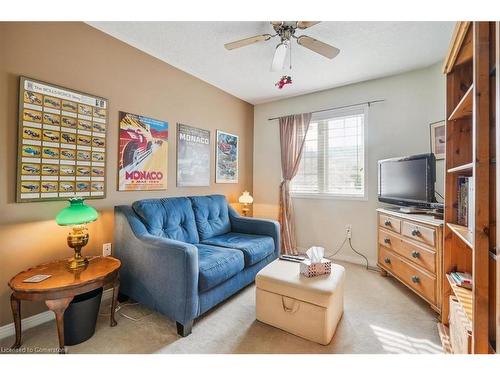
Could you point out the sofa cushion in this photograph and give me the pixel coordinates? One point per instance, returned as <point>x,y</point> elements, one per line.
<point>211,214</point>
<point>254,247</point>
<point>168,217</point>
<point>217,264</point>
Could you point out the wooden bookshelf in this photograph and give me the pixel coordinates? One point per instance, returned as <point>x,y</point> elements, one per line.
<point>470,149</point>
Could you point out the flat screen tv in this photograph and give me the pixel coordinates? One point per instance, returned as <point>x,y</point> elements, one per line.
<point>407,181</point>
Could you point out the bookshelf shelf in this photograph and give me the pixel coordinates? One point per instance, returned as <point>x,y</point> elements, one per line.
<point>463,233</point>
<point>464,106</point>
<point>444,335</point>
<point>462,168</point>
<point>464,297</point>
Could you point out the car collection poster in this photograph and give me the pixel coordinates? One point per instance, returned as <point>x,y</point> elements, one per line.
<point>226,155</point>
<point>143,153</point>
<point>193,156</point>
<point>61,143</point>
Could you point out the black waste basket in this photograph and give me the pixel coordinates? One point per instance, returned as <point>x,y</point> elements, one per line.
<point>81,316</point>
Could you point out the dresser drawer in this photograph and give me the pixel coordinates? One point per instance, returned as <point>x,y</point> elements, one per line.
<point>389,223</point>
<point>421,282</point>
<point>417,254</point>
<point>419,233</point>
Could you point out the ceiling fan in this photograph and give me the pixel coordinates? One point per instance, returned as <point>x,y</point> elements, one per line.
<point>286,31</point>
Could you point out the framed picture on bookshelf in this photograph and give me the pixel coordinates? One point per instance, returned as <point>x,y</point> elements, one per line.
<point>438,139</point>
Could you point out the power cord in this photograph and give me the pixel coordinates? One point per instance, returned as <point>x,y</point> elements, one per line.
<point>348,238</point>
<point>121,306</point>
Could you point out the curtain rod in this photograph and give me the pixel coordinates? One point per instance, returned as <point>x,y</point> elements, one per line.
<point>330,109</point>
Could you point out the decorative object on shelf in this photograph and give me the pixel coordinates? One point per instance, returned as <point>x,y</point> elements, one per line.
<point>438,139</point>
<point>246,200</point>
<point>285,80</point>
<point>193,156</point>
<point>77,214</point>
<point>61,143</point>
<point>143,153</point>
<point>226,158</point>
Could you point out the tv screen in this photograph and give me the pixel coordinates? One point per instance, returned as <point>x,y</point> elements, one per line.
<point>407,181</point>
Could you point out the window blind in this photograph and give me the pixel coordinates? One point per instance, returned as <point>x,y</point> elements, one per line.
<point>333,159</point>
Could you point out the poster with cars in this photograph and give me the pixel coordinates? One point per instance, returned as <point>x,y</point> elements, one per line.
<point>61,143</point>
<point>193,156</point>
<point>226,158</point>
<point>143,153</point>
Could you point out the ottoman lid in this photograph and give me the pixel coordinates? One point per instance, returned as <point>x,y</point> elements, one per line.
<point>284,278</point>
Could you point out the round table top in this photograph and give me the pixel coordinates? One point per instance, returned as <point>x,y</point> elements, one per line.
<point>61,277</point>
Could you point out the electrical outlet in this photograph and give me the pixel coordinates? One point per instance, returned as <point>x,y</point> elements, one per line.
<point>348,230</point>
<point>106,249</point>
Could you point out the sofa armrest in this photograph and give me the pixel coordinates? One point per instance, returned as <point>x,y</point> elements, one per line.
<point>156,271</point>
<point>250,225</point>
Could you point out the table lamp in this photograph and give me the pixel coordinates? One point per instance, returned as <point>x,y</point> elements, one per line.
<point>77,214</point>
<point>246,200</point>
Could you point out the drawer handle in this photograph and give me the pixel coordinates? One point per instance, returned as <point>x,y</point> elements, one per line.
<point>387,260</point>
<point>415,254</point>
<point>415,279</point>
<point>387,223</point>
<point>415,232</point>
<point>387,240</point>
<point>293,309</point>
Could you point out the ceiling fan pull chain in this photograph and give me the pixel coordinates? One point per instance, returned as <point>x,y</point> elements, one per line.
<point>290,55</point>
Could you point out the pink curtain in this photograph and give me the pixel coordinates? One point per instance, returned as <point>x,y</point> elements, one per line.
<point>293,130</point>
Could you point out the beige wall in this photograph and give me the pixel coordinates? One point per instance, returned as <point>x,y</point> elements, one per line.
<point>76,56</point>
<point>399,126</point>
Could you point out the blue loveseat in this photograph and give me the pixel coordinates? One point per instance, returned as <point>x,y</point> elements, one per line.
<point>182,256</point>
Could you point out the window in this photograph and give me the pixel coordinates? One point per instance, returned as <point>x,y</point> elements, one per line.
<point>333,159</point>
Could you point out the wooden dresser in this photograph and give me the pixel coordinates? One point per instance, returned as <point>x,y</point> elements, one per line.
<point>410,248</point>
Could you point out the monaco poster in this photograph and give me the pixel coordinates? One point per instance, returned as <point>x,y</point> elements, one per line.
<point>143,153</point>
<point>193,156</point>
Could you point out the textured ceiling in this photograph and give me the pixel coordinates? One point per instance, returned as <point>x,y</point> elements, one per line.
<point>368,50</point>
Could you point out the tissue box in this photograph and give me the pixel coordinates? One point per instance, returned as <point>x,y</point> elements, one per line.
<point>315,269</point>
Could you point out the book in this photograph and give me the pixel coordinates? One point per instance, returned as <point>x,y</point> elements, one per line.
<point>470,204</point>
<point>462,279</point>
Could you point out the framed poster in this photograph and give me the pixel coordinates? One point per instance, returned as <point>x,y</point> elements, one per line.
<point>61,143</point>
<point>438,139</point>
<point>226,158</point>
<point>142,153</point>
<point>193,156</point>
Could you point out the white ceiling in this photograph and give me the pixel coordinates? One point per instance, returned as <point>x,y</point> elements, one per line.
<point>367,50</point>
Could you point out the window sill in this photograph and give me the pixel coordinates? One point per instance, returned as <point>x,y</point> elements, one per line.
<point>329,196</point>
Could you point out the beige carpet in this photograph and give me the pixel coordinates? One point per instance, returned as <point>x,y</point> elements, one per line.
<point>380,316</point>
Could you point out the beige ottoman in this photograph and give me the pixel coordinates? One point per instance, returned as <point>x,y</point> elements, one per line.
<point>307,307</point>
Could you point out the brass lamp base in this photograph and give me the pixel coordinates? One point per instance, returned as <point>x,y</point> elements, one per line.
<point>77,239</point>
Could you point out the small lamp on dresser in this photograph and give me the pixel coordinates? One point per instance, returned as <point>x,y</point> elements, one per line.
<point>246,200</point>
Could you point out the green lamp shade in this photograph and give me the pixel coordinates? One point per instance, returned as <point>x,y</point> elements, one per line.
<point>76,213</point>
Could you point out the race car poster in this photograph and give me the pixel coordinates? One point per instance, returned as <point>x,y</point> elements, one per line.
<point>61,143</point>
<point>193,156</point>
<point>226,158</point>
<point>143,153</point>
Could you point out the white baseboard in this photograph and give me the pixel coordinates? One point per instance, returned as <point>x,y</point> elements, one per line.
<point>35,320</point>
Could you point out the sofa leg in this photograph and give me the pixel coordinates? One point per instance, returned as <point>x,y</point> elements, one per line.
<point>122,297</point>
<point>184,329</point>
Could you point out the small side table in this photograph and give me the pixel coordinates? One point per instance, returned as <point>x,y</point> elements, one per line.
<point>59,290</point>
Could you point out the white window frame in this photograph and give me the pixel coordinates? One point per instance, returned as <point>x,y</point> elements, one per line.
<point>338,113</point>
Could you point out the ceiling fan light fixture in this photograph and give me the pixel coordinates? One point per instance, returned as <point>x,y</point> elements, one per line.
<point>279,56</point>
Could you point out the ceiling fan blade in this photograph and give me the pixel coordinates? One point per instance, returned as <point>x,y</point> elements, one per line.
<point>279,57</point>
<point>318,46</point>
<point>306,24</point>
<point>276,23</point>
<point>247,41</point>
